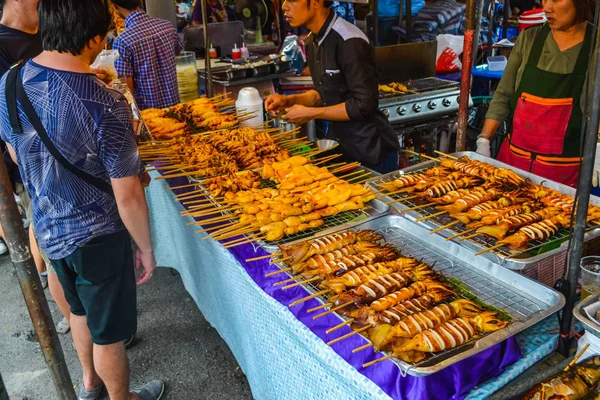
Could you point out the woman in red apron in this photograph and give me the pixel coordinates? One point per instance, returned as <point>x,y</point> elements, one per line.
<point>546,107</point>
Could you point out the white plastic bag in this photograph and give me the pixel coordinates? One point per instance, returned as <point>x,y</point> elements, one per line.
<point>449,49</point>
<point>104,65</point>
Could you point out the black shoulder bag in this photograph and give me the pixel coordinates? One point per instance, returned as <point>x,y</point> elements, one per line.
<point>14,91</point>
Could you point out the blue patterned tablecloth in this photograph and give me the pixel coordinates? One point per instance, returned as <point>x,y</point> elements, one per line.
<point>280,355</point>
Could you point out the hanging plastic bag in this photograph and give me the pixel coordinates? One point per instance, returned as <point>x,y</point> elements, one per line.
<point>291,51</point>
<point>449,50</point>
<point>104,66</point>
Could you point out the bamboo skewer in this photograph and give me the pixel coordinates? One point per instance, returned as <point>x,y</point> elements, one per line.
<point>366,346</point>
<point>377,361</point>
<point>461,234</point>
<point>356,332</point>
<point>334,309</point>
<point>316,278</point>
<point>292,279</point>
<point>418,207</point>
<point>489,249</point>
<point>280,260</point>
<point>183,186</point>
<point>441,228</point>
<point>445,155</point>
<point>214,228</point>
<point>431,216</point>
<point>335,328</point>
<point>278,272</point>
<point>325,305</point>
<point>401,199</point>
<point>259,258</point>
<point>576,358</point>
<point>470,237</point>
<point>346,167</point>
<point>425,156</point>
<point>312,296</point>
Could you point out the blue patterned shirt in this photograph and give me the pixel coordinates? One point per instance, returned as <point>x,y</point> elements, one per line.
<point>147,50</point>
<point>91,126</point>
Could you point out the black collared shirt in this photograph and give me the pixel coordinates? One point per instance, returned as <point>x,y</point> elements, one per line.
<point>342,66</point>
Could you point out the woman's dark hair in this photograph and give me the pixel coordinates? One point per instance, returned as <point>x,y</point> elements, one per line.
<point>127,4</point>
<point>67,26</point>
<point>585,10</point>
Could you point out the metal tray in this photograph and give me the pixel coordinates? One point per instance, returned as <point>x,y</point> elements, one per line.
<point>526,300</point>
<point>590,326</point>
<point>513,260</point>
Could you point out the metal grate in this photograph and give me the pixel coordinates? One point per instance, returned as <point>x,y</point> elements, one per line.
<point>534,247</point>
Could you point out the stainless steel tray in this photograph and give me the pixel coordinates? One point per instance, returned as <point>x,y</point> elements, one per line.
<point>590,326</point>
<point>535,253</point>
<point>526,300</point>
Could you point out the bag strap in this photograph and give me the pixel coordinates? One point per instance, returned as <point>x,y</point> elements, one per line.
<point>14,91</point>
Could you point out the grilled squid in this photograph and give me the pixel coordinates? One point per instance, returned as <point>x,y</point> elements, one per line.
<point>477,212</point>
<point>416,289</point>
<point>447,186</point>
<point>470,200</point>
<point>538,231</point>
<point>495,217</point>
<point>509,224</point>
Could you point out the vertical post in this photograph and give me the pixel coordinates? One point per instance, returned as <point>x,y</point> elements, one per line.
<point>465,80</point>
<point>592,120</point>
<point>409,20</point>
<point>375,23</point>
<point>17,241</point>
<point>207,60</point>
<point>480,5</point>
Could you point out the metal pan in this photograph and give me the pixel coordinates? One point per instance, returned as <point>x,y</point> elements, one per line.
<point>526,300</point>
<point>535,253</point>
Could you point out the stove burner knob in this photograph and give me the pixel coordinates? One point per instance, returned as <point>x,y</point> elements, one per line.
<point>417,107</point>
<point>432,105</point>
<point>386,112</point>
<point>402,110</point>
<point>446,102</point>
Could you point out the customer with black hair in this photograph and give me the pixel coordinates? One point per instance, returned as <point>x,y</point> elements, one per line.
<point>78,157</point>
<point>147,50</point>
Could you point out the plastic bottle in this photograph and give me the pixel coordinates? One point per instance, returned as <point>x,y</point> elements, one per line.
<point>213,51</point>
<point>244,50</point>
<point>235,53</point>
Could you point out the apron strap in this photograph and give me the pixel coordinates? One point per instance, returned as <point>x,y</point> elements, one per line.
<point>583,60</point>
<point>538,45</point>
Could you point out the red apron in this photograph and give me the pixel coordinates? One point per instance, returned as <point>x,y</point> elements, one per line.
<point>547,117</point>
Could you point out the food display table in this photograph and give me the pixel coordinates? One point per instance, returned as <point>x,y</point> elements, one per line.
<point>283,351</point>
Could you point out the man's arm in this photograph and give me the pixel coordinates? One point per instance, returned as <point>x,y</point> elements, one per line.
<point>133,210</point>
<point>276,103</point>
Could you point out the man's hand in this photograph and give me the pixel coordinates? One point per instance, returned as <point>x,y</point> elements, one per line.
<point>104,75</point>
<point>146,261</point>
<point>483,147</point>
<point>276,103</point>
<point>299,115</point>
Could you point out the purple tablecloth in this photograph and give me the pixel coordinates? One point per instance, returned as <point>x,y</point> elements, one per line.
<point>454,382</point>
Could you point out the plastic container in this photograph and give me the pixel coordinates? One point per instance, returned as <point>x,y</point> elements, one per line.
<point>497,63</point>
<point>590,276</point>
<point>187,76</point>
<point>249,101</point>
<point>236,53</point>
<point>213,51</point>
<point>245,52</point>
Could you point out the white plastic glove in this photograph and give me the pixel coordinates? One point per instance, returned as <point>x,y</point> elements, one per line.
<point>483,147</point>
<point>596,175</point>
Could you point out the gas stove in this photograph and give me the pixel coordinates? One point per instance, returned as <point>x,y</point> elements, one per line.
<point>434,98</point>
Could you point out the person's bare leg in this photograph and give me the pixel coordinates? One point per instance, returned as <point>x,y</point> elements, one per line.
<point>57,293</point>
<point>35,251</point>
<point>111,364</point>
<point>84,346</point>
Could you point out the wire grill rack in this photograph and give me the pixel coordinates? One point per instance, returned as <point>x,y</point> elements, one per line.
<point>534,247</point>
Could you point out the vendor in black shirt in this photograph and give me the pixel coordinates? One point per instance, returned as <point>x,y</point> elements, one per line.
<point>342,66</point>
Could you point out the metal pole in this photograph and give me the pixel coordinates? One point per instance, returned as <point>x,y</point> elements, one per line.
<point>584,188</point>
<point>480,5</point>
<point>207,66</point>
<point>465,80</point>
<point>17,241</point>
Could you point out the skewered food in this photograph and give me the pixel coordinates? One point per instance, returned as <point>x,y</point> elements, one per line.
<point>538,231</point>
<point>394,87</point>
<point>319,260</point>
<point>500,230</point>
<point>576,383</point>
<point>447,335</point>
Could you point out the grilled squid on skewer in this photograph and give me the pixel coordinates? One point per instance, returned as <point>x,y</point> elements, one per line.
<point>416,289</point>
<point>470,200</point>
<point>411,325</point>
<point>509,224</point>
<point>447,186</point>
<point>407,266</point>
<point>477,212</point>
<point>496,216</point>
<point>538,231</point>
<point>318,260</point>
<point>306,249</point>
<point>448,335</point>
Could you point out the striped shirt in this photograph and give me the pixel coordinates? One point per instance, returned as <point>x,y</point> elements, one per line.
<point>147,50</point>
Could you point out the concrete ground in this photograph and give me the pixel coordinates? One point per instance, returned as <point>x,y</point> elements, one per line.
<point>176,344</point>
